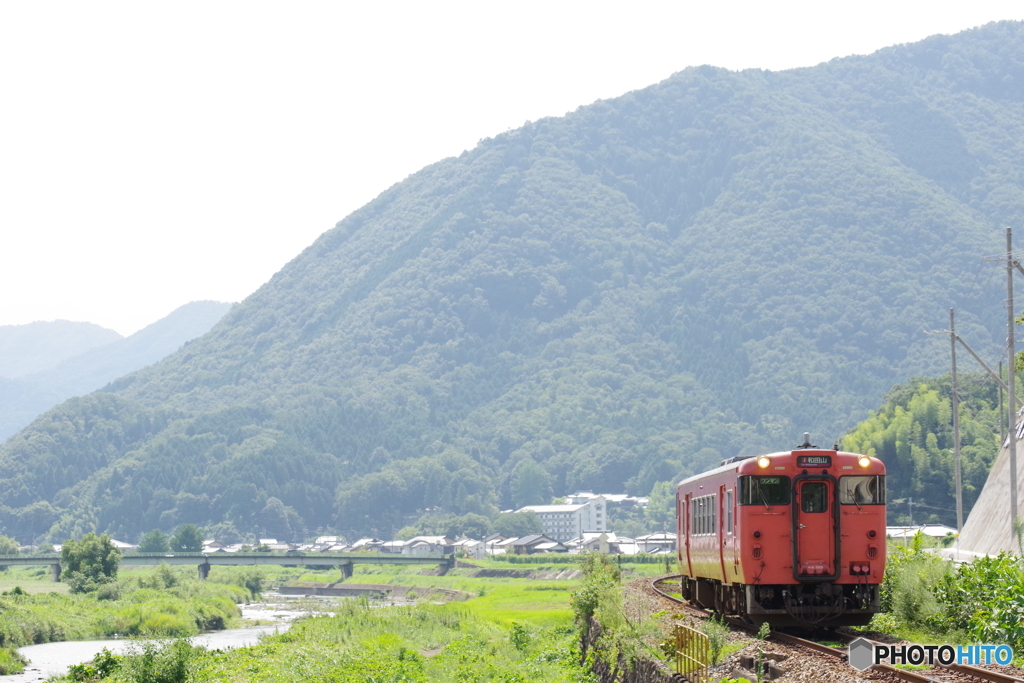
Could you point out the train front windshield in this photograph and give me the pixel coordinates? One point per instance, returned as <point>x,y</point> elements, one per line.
<point>862,490</point>
<point>764,490</point>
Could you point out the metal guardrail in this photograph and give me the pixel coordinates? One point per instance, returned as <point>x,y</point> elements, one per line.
<point>692,654</point>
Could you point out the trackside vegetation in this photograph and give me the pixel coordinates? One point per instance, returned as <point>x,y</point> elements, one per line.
<point>623,631</point>
<point>927,598</point>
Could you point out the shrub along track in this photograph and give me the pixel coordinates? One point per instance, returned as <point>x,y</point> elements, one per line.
<point>824,664</point>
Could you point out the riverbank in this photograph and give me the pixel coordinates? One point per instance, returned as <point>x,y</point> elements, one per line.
<point>362,641</point>
<point>263,619</point>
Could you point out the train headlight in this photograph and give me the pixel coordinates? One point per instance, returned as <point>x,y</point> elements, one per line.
<point>764,461</point>
<point>864,461</point>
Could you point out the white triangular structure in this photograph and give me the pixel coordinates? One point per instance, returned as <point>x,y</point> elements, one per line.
<point>988,528</point>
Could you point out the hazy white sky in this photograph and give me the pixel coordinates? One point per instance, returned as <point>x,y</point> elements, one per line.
<point>153,154</point>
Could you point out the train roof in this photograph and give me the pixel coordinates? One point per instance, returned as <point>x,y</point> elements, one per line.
<point>734,463</point>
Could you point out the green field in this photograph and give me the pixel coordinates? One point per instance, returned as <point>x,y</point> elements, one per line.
<point>517,627</point>
<point>509,630</point>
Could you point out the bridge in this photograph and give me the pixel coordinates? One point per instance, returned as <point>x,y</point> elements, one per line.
<point>203,561</point>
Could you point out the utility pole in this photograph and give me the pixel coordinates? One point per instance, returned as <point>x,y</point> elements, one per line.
<point>1011,423</point>
<point>1002,415</point>
<point>956,430</point>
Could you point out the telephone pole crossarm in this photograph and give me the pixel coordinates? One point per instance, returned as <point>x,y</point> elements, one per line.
<point>991,373</point>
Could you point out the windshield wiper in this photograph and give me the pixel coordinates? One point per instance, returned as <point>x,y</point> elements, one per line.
<point>766,505</point>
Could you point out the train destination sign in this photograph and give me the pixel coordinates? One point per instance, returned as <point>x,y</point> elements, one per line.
<point>814,461</point>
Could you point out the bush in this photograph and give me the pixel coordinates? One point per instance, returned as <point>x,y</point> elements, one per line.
<point>151,662</point>
<point>718,635</point>
<point>986,599</point>
<point>911,584</point>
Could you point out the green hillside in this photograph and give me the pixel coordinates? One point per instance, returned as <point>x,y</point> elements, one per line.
<point>623,295</point>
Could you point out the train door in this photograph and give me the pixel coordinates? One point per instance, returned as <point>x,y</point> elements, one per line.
<point>723,537</point>
<point>814,533</point>
<point>731,543</point>
<point>687,528</point>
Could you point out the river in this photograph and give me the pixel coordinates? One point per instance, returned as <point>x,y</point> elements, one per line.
<point>50,659</point>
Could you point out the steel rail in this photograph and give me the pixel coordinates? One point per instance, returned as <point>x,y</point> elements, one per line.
<point>902,674</point>
<point>966,669</point>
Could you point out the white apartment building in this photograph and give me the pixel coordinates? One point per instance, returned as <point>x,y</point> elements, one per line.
<point>566,522</point>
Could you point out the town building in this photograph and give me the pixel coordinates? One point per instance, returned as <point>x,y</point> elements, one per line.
<point>661,542</point>
<point>535,543</point>
<point>565,522</point>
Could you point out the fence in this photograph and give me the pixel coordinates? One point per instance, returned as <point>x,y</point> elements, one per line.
<point>692,655</point>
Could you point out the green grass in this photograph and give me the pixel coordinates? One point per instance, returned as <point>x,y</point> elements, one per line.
<point>542,604</point>
<point>502,600</point>
<point>11,662</point>
<point>363,643</point>
<point>511,630</point>
<point>31,579</point>
<point>161,602</point>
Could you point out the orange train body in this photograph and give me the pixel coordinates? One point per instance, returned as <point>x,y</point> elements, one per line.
<point>791,538</point>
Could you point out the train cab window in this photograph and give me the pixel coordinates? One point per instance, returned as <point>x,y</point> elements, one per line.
<point>728,511</point>
<point>814,496</point>
<point>862,490</point>
<point>767,491</point>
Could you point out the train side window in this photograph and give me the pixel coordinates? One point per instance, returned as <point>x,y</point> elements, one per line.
<point>713,509</point>
<point>702,515</point>
<point>813,496</point>
<point>862,490</point>
<point>761,490</point>
<point>728,511</point>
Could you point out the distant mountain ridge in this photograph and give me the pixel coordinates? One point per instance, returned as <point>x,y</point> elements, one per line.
<point>33,347</point>
<point>622,296</point>
<point>25,397</point>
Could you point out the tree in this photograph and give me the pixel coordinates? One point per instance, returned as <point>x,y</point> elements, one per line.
<point>661,505</point>
<point>517,524</point>
<point>89,563</point>
<point>530,484</point>
<point>187,539</point>
<point>155,541</point>
<point>8,546</point>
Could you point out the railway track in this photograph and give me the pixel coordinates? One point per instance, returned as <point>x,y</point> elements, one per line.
<point>944,674</point>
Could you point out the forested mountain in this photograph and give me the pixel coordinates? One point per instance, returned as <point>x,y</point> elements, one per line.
<point>25,349</point>
<point>624,295</point>
<point>29,395</point>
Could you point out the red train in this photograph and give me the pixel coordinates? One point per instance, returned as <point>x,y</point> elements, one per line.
<point>791,538</point>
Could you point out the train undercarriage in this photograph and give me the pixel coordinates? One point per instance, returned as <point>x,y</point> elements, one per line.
<point>808,605</point>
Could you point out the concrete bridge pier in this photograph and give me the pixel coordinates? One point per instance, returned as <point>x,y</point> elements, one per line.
<point>55,572</point>
<point>346,570</point>
<point>204,571</point>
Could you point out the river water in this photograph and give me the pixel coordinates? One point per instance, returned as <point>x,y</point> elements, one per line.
<point>50,659</point>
